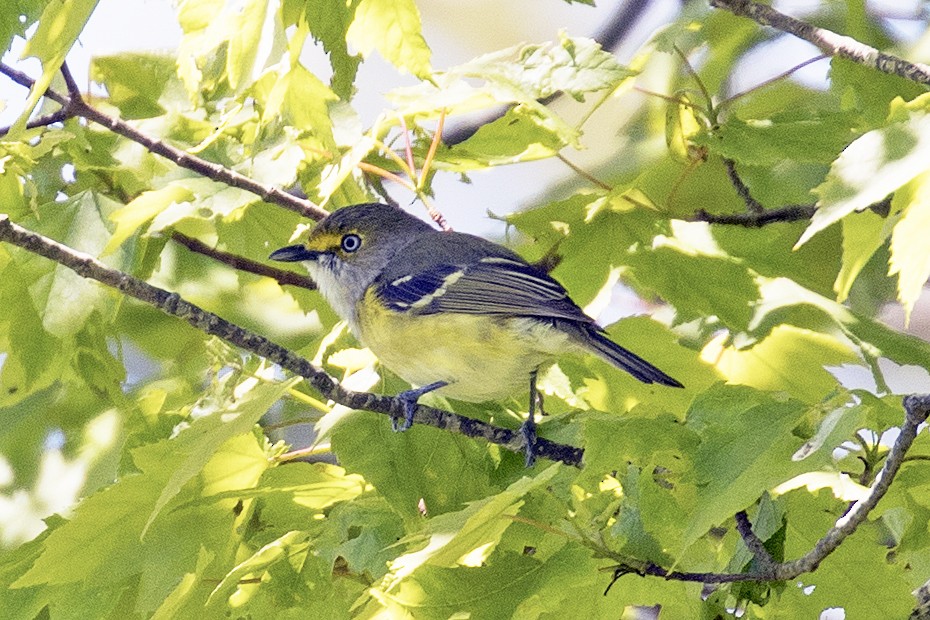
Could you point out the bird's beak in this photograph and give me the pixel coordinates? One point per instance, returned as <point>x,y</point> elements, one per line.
<point>293,254</point>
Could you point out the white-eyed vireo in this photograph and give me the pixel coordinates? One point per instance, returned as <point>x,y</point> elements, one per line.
<point>447,311</point>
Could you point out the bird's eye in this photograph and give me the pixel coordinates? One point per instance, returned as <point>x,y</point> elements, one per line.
<point>351,242</point>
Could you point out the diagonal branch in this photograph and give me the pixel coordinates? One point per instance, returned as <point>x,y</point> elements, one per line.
<point>917,408</point>
<point>76,105</point>
<point>756,547</point>
<point>209,323</point>
<point>241,263</point>
<point>752,205</point>
<point>916,411</point>
<point>827,41</point>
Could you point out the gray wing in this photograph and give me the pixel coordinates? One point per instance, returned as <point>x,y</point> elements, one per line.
<point>472,278</point>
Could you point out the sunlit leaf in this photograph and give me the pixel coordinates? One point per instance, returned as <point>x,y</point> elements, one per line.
<point>393,28</point>
<point>870,168</point>
<point>910,252</point>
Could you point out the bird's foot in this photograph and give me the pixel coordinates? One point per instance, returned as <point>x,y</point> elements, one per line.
<point>409,399</point>
<point>528,431</point>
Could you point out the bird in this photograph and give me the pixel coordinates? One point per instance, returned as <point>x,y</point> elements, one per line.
<point>449,312</point>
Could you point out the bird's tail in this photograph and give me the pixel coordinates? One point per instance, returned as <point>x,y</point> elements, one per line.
<point>626,360</point>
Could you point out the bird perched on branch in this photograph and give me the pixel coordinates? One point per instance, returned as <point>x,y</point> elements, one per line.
<point>450,312</point>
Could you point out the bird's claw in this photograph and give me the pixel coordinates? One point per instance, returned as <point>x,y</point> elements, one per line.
<point>528,431</point>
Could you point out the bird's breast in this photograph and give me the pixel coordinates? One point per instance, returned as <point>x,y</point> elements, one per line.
<point>481,357</point>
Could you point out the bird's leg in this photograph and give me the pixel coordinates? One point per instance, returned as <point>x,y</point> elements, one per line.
<point>528,430</point>
<point>410,398</point>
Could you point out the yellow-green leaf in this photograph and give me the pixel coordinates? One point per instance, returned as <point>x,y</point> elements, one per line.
<point>870,168</point>
<point>393,28</point>
<point>59,27</point>
<point>910,252</point>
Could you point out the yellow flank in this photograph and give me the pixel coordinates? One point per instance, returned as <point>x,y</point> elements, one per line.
<point>481,357</point>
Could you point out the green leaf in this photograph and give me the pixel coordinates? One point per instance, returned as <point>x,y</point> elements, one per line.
<point>65,299</point>
<point>250,21</point>
<point>104,540</point>
<point>135,82</point>
<point>699,280</point>
<point>511,586</point>
<point>402,469</point>
<point>863,235</point>
<point>30,361</point>
<point>59,27</point>
<point>882,590</point>
<point>802,137</point>
<point>258,563</point>
<point>788,359</point>
<point>362,532</point>
<point>328,22</point>
<point>183,600</point>
<point>303,100</point>
<point>746,449</point>
<point>195,446</point>
<point>574,66</point>
<point>17,19</point>
<point>522,74</point>
<point>784,301</point>
<point>393,28</point>
<point>468,536</point>
<point>299,493</point>
<point>520,135</point>
<point>910,252</point>
<point>143,209</point>
<point>873,166</point>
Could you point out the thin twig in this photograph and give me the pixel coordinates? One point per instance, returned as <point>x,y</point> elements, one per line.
<point>77,106</point>
<point>790,213</point>
<point>669,98</point>
<point>242,263</point>
<point>434,213</point>
<point>57,116</point>
<point>209,323</point>
<point>408,150</point>
<point>364,166</point>
<point>583,173</point>
<point>827,41</point>
<point>752,542</point>
<point>771,80</point>
<point>916,408</point>
<point>74,91</point>
<point>752,205</point>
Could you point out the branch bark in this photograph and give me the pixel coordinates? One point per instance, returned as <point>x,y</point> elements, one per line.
<point>917,408</point>
<point>209,323</point>
<point>75,105</point>
<point>827,41</point>
<point>241,263</point>
<point>916,411</point>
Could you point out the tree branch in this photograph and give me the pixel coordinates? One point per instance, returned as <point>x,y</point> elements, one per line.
<point>916,410</point>
<point>756,547</point>
<point>75,105</point>
<point>45,120</point>
<point>791,213</point>
<point>753,206</point>
<point>209,323</point>
<point>241,263</point>
<point>827,41</point>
